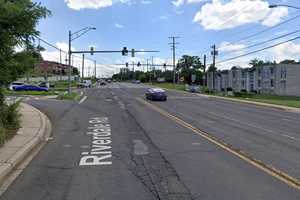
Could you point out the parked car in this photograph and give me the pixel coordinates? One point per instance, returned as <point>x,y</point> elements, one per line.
<point>44,84</point>
<point>156,94</point>
<point>85,84</point>
<point>31,88</point>
<point>13,85</point>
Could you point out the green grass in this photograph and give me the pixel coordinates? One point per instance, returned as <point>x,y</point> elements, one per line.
<point>37,93</point>
<point>273,99</point>
<point>180,87</point>
<point>65,84</point>
<point>65,96</point>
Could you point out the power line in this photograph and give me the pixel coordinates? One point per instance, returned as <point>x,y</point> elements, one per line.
<point>265,30</point>
<point>256,51</point>
<point>266,41</point>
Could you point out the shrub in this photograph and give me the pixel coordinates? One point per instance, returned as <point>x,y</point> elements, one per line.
<point>205,90</point>
<point>2,135</point>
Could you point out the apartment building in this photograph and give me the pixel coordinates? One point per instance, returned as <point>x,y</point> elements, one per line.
<point>278,79</point>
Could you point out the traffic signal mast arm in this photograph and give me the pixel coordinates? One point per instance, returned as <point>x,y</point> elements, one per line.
<point>81,52</point>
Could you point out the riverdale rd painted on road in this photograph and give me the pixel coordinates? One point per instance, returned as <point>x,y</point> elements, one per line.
<point>100,153</point>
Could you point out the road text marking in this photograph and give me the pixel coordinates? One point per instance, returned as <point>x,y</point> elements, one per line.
<point>100,153</point>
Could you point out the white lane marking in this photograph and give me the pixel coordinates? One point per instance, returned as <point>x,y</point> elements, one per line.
<point>83,99</point>
<point>256,126</point>
<point>67,146</point>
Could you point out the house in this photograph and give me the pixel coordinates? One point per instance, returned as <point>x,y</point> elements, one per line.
<point>277,79</point>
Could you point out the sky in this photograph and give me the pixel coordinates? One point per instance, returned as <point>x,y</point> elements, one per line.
<point>232,25</point>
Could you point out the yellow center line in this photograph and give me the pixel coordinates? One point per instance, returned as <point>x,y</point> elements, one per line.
<point>280,175</point>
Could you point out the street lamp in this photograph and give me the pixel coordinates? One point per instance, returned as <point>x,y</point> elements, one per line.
<point>283,5</point>
<point>74,36</point>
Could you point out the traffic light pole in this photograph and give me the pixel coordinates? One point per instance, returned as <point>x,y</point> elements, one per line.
<point>82,76</point>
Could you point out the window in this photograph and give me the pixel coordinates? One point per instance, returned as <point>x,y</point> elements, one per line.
<point>243,83</point>
<point>272,83</point>
<point>233,74</point>
<point>259,72</point>
<point>259,83</point>
<point>272,71</point>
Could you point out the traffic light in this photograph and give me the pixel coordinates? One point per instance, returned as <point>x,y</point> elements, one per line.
<point>132,53</point>
<point>92,50</point>
<point>138,64</point>
<point>124,51</point>
<point>126,64</point>
<point>165,65</point>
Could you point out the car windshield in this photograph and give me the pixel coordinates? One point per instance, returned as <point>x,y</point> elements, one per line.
<point>149,99</point>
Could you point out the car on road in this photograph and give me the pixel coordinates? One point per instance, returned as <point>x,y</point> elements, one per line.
<point>102,83</point>
<point>31,88</point>
<point>14,85</point>
<point>156,94</point>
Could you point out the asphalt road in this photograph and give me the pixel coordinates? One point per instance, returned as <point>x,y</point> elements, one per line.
<point>154,156</point>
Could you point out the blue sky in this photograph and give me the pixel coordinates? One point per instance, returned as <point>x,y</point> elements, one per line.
<point>147,24</point>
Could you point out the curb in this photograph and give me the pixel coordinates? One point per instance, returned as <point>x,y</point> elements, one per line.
<point>11,167</point>
<point>285,108</point>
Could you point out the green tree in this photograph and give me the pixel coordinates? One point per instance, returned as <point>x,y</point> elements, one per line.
<point>18,20</point>
<point>256,62</point>
<point>188,65</point>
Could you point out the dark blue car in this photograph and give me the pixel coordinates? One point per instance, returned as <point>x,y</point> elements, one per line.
<point>156,94</point>
<point>31,88</point>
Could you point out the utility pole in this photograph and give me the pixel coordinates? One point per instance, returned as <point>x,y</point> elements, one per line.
<point>133,74</point>
<point>174,57</point>
<point>82,76</point>
<point>204,71</point>
<point>151,69</point>
<point>60,61</point>
<point>214,54</point>
<point>95,63</point>
<point>69,69</point>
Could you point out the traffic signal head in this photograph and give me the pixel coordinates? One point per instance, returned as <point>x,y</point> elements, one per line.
<point>92,50</point>
<point>124,51</point>
<point>127,64</point>
<point>132,53</point>
<point>138,64</point>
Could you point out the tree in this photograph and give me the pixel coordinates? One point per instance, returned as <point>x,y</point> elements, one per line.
<point>188,65</point>
<point>255,62</point>
<point>18,20</point>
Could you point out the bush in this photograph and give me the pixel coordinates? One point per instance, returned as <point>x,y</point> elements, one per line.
<point>2,135</point>
<point>205,90</point>
<point>10,117</point>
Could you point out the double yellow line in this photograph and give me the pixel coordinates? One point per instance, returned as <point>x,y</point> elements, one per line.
<point>280,175</point>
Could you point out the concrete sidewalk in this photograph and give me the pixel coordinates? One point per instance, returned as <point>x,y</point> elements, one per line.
<point>34,131</point>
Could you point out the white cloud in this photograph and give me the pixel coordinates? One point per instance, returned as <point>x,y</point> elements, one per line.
<point>289,50</point>
<point>228,47</point>
<point>274,17</point>
<point>91,4</point>
<point>218,15</point>
<point>146,2</point>
<point>119,25</point>
<point>179,3</point>
<point>163,17</point>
